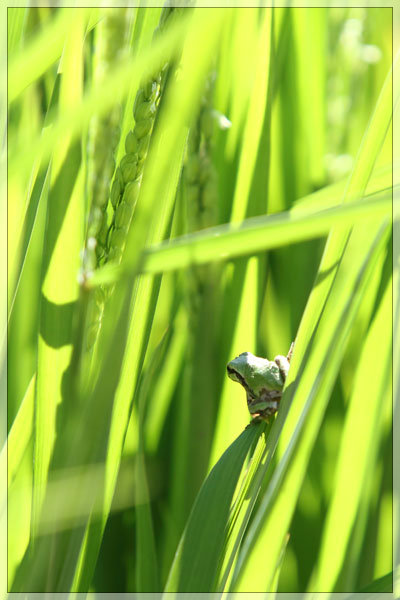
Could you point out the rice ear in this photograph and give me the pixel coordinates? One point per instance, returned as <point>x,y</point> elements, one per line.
<point>111,43</point>
<point>110,238</point>
<point>128,177</point>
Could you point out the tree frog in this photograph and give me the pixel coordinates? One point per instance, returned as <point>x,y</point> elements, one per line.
<point>262,379</point>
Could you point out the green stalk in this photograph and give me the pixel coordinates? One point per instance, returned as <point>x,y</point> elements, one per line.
<point>201,298</point>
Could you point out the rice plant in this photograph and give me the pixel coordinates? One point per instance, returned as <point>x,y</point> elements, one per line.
<point>186,185</point>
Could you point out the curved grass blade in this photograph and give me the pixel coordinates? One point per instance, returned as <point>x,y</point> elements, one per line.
<point>253,235</point>
<point>244,504</point>
<point>195,566</point>
<point>359,445</point>
<point>260,233</point>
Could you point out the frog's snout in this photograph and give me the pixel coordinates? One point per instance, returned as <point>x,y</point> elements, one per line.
<point>232,373</point>
<point>229,369</point>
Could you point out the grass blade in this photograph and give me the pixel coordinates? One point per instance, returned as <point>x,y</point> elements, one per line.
<point>254,235</point>
<point>356,458</point>
<point>28,65</point>
<point>20,433</point>
<point>196,561</point>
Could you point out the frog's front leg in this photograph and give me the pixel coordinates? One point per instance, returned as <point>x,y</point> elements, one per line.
<point>283,363</point>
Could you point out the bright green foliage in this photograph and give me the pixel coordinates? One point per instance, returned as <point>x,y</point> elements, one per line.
<point>132,464</point>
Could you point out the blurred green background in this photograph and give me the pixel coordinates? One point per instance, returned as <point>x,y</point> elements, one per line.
<point>263,111</point>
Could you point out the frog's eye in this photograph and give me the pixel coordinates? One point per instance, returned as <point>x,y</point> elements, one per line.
<point>233,374</point>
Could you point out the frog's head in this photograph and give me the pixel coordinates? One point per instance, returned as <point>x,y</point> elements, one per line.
<point>240,367</point>
<point>255,374</point>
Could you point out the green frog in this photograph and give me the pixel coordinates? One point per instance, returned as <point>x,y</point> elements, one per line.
<point>263,381</point>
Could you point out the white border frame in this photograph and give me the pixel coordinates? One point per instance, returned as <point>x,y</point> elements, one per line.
<point>395,5</point>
